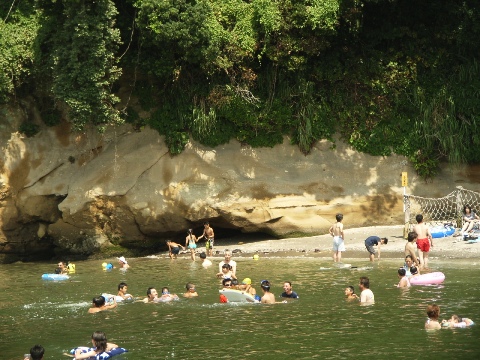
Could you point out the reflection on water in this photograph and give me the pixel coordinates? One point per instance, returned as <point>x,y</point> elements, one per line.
<point>321,324</point>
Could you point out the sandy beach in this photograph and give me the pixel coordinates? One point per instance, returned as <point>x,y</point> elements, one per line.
<point>321,246</point>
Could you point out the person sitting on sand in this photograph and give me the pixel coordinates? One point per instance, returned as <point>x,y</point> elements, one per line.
<point>191,292</point>
<point>403,282</point>
<point>350,293</point>
<point>99,305</point>
<point>433,313</point>
<point>470,219</point>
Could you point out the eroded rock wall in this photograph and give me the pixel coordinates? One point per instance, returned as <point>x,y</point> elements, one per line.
<point>77,193</point>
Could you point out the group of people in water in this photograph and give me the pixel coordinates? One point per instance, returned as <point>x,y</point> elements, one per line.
<point>421,240</point>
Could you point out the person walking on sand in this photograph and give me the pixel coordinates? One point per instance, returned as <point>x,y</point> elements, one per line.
<point>336,230</point>
<point>424,241</point>
<point>371,241</point>
<point>209,236</point>
<point>411,247</point>
<point>191,243</point>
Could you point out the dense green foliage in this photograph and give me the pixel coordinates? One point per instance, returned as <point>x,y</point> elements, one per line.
<point>391,76</point>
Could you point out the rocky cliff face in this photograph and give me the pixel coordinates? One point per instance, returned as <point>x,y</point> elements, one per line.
<point>76,194</point>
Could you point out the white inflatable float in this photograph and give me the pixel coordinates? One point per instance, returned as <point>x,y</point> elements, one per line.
<point>433,278</point>
<point>237,296</point>
<point>55,277</point>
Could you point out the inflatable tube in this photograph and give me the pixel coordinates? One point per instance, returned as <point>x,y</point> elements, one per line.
<point>238,296</point>
<point>103,356</point>
<point>433,278</point>
<point>109,298</point>
<point>442,231</point>
<point>55,277</point>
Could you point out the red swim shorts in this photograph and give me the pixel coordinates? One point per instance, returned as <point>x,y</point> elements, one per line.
<point>423,244</point>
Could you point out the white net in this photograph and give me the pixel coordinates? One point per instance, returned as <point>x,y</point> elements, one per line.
<point>440,211</point>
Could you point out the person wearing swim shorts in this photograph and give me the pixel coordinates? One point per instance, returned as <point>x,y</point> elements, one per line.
<point>372,241</point>
<point>424,241</point>
<point>209,235</point>
<point>191,243</point>
<point>174,249</point>
<point>336,230</point>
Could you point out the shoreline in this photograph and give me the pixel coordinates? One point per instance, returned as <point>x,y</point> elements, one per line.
<point>320,246</point>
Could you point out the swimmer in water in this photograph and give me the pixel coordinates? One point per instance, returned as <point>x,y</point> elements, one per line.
<point>99,305</point>
<point>350,293</point>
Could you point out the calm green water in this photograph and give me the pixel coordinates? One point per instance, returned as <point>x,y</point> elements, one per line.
<point>321,324</point>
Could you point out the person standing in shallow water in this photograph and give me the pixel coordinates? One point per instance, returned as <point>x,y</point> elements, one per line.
<point>191,243</point>
<point>209,236</point>
<point>336,230</point>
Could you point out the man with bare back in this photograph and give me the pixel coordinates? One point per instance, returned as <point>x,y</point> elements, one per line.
<point>424,241</point>
<point>336,230</point>
<point>209,237</point>
<point>410,247</point>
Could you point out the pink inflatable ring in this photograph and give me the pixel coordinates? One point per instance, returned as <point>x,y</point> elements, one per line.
<point>432,278</point>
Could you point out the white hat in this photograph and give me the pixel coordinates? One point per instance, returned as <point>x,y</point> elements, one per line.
<point>122,259</point>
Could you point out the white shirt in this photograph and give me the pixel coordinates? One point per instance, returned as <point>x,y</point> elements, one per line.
<point>367,296</point>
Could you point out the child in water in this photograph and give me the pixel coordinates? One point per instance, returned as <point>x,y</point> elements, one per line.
<point>191,292</point>
<point>457,322</point>
<point>403,280</point>
<point>226,273</point>
<point>100,345</point>
<point>350,293</point>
